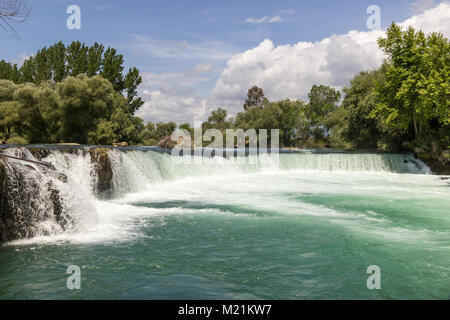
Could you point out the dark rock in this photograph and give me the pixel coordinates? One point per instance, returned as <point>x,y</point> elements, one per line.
<point>21,199</point>
<point>167,143</point>
<point>39,153</point>
<point>438,165</point>
<point>104,187</point>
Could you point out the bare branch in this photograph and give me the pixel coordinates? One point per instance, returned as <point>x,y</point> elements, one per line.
<point>13,11</point>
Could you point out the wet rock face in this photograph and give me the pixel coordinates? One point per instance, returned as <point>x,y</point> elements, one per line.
<point>39,153</point>
<point>31,196</point>
<point>104,187</point>
<point>21,203</point>
<point>438,164</point>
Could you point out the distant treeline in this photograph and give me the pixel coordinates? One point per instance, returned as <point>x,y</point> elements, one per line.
<point>77,93</point>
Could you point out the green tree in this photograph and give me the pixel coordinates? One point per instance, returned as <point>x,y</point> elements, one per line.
<point>132,81</point>
<point>322,101</point>
<point>415,95</point>
<point>217,120</point>
<point>9,71</point>
<point>59,61</point>
<point>360,100</point>
<point>255,98</point>
<point>84,102</point>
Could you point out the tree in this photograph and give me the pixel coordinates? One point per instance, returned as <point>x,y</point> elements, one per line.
<point>285,115</point>
<point>360,100</point>
<point>415,96</point>
<point>217,120</point>
<point>255,98</point>
<point>322,101</point>
<point>59,61</point>
<point>132,81</point>
<point>9,71</point>
<point>85,102</point>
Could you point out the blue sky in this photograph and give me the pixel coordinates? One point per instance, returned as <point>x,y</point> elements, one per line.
<point>194,40</point>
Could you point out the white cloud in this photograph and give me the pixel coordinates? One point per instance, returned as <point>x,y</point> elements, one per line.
<point>287,11</point>
<point>291,70</point>
<point>172,104</point>
<point>264,19</point>
<point>282,71</point>
<point>275,19</point>
<point>435,19</point>
<point>206,50</point>
<point>21,59</point>
<point>419,6</point>
<point>267,19</point>
<point>172,95</point>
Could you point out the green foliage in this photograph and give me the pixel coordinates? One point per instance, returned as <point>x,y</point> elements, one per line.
<point>255,98</point>
<point>284,115</point>
<point>415,96</point>
<point>9,71</point>
<point>78,93</point>
<point>73,93</point>
<point>322,101</point>
<point>59,61</point>
<point>17,140</point>
<point>360,100</point>
<point>217,120</point>
<point>153,133</point>
<point>81,109</point>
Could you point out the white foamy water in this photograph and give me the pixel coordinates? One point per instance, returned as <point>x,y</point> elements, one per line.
<point>149,184</point>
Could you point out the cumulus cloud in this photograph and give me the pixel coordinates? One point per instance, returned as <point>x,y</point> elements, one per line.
<point>168,103</point>
<point>283,71</point>
<point>432,20</point>
<point>172,95</point>
<point>289,71</point>
<point>420,6</point>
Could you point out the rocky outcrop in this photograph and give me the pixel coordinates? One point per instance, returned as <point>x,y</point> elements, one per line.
<point>120,144</point>
<point>438,164</point>
<point>22,198</point>
<point>31,202</point>
<point>168,143</point>
<point>104,187</point>
<point>101,170</point>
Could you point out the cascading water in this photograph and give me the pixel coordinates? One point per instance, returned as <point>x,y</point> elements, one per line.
<point>304,224</point>
<point>41,201</point>
<point>68,202</point>
<point>136,169</point>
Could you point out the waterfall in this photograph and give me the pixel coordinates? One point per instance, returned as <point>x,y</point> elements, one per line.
<point>136,168</point>
<point>37,201</point>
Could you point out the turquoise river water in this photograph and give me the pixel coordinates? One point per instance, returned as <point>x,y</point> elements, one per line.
<point>306,227</point>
